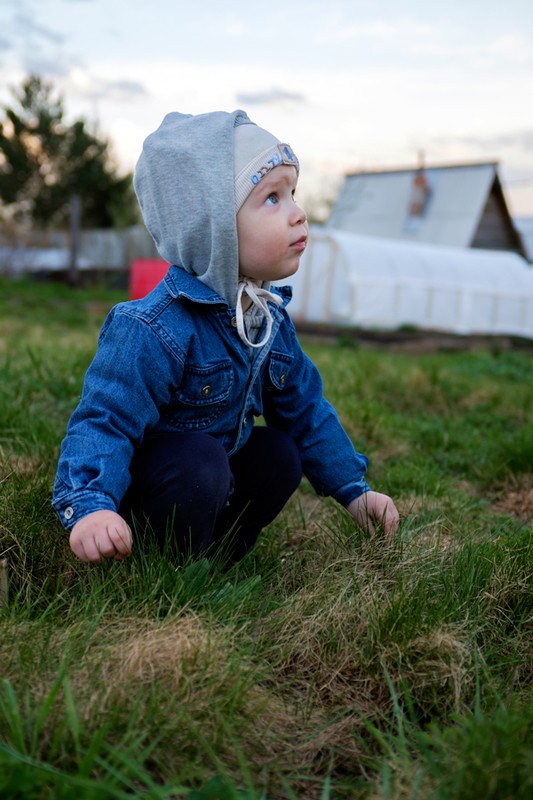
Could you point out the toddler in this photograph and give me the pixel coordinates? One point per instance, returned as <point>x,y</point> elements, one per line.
<point>163,438</point>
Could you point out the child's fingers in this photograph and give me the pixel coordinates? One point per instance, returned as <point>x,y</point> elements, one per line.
<point>105,544</point>
<point>121,540</point>
<point>87,550</point>
<point>391,520</point>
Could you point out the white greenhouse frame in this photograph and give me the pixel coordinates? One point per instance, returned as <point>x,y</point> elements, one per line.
<point>351,280</point>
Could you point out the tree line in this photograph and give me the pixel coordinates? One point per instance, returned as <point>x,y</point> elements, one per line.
<point>46,163</point>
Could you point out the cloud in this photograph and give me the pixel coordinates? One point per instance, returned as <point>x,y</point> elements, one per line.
<point>36,63</point>
<point>5,44</point>
<point>521,140</point>
<point>270,97</point>
<point>378,30</point>
<point>511,140</point>
<point>125,89</point>
<point>28,27</point>
<point>116,91</point>
<point>511,47</point>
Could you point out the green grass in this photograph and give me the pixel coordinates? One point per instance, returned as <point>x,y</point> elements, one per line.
<point>326,665</point>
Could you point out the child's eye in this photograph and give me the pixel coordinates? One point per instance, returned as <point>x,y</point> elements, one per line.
<point>272,199</point>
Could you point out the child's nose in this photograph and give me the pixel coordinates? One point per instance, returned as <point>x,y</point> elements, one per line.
<point>298,215</point>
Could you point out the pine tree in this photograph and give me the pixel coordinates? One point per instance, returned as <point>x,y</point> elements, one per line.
<point>44,162</point>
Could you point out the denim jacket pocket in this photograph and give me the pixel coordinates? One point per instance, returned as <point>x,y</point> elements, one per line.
<point>201,396</point>
<point>279,367</point>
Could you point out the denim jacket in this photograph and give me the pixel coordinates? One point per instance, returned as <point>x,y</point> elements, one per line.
<point>173,361</point>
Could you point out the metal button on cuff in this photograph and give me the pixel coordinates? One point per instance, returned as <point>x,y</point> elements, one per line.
<point>68,513</point>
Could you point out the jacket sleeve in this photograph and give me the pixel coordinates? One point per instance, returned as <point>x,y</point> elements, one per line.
<point>294,401</point>
<point>124,388</point>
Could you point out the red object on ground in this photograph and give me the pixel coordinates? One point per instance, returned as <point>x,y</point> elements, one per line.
<point>145,274</point>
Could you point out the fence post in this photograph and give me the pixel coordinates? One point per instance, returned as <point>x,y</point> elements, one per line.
<point>75,226</point>
<point>3,581</point>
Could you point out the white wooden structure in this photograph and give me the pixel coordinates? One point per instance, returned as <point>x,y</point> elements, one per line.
<point>359,281</point>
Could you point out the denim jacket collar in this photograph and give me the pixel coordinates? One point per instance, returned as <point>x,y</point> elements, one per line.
<point>180,284</point>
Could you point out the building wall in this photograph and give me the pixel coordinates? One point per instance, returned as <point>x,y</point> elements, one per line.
<point>495,230</point>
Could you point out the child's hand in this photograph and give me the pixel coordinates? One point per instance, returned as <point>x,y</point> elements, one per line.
<point>102,534</point>
<point>374,509</point>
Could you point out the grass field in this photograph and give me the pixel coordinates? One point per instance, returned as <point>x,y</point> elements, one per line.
<point>326,665</point>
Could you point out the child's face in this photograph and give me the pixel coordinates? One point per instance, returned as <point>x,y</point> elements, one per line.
<point>272,228</point>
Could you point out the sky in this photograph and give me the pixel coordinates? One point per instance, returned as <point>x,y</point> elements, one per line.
<point>350,84</point>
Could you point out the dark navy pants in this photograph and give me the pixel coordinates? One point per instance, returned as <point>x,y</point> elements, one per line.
<point>195,500</point>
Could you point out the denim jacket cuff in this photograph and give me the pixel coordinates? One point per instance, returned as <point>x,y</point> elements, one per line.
<point>74,506</point>
<point>351,491</point>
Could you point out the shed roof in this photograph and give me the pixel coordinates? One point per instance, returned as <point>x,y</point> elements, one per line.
<point>454,205</point>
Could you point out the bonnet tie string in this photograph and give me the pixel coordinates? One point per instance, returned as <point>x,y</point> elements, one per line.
<point>259,298</point>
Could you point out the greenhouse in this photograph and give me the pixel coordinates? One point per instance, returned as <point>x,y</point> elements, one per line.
<point>360,281</point>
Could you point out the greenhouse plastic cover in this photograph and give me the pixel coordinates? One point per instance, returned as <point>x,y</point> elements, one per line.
<point>353,280</point>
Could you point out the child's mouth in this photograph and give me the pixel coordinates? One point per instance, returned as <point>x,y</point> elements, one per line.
<point>300,244</point>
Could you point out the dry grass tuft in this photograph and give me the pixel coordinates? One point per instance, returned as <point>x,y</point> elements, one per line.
<point>188,683</point>
<point>441,660</point>
<point>515,497</point>
<point>19,464</point>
